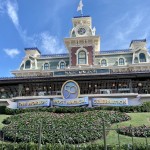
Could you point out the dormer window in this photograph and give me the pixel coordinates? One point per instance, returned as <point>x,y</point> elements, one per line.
<point>103,62</point>
<point>82,58</point>
<point>142,57</point>
<point>28,64</point>
<point>121,61</point>
<point>62,65</point>
<point>46,66</point>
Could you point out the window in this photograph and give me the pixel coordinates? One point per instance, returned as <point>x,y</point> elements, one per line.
<point>46,66</point>
<point>142,57</point>
<point>82,57</point>
<point>28,64</point>
<point>62,65</point>
<point>73,34</point>
<point>121,61</point>
<point>135,60</point>
<point>103,62</point>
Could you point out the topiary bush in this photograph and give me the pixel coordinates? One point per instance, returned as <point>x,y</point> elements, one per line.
<point>6,121</point>
<point>60,128</point>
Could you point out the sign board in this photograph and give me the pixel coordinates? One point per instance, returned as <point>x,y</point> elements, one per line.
<point>81,72</point>
<point>71,102</point>
<point>110,101</point>
<point>33,103</point>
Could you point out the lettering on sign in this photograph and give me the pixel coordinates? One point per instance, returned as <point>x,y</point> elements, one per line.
<point>33,103</point>
<point>110,101</point>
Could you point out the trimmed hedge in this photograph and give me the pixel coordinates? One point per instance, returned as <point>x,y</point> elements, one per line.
<point>60,128</point>
<point>33,146</point>
<point>140,131</point>
<point>145,107</point>
<point>2,109</point>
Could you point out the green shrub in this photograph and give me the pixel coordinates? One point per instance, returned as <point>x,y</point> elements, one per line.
<point>33,146</point>
<point>7,121</point>
<point>141,131</point>
<point>59,128</point>
<point>2,109</point>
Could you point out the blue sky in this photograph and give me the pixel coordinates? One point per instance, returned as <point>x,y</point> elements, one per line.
<point>44,24</point>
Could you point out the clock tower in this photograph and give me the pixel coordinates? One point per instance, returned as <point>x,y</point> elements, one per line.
<point>83,42</point>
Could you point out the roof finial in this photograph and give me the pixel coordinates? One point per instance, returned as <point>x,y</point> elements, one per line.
<point>80,6</point>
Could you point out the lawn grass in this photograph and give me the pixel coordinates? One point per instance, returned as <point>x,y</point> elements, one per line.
<point>2,117</point>
<point>137,119</point>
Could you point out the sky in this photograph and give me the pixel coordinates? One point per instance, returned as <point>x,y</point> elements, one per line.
<point>45,23</point>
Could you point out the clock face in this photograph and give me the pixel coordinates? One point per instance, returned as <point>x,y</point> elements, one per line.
<point>81,31</point>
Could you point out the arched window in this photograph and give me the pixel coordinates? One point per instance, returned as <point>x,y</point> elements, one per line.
<point>142,57</point>
<point>62,65</point>
<point>73,34</point>
<point>121,61</point>
<point>82,57</point>
<point>28,64</point>
<point>103,62</point>
<point>46,66</point>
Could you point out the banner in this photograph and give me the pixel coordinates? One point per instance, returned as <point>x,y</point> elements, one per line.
<point>71,102</point>
<point>33,103</point>
<point>116,101</point>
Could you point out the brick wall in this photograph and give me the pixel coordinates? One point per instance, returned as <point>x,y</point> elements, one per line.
<point>90,55</point>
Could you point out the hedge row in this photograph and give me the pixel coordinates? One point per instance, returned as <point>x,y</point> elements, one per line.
<point>140,131</point>
<point>32,146</point>
<point>145,107</point>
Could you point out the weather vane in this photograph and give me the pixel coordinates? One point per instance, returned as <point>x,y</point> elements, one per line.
<point>80,6</point>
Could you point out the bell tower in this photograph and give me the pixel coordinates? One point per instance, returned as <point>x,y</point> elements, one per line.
<point>83,42</point>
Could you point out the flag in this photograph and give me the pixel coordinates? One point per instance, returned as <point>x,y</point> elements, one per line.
<point>80,6</point>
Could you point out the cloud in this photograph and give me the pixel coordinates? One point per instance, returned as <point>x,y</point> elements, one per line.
<point>12,8</point>
<point>12,52</point>
<point>50,44</point>
<point>44,41</point>
<point>129,28</point>
<point>12,12</point>
<point>124,29</point>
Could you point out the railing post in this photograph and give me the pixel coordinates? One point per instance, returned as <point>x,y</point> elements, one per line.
<point>118,137</point>
<point>146,143</point>
<point>132,137</point>
<point>3,138</point>
<point>40,136</point>
<point>104,135</point>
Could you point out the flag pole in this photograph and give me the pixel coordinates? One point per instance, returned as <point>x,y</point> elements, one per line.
<point>80,7</point>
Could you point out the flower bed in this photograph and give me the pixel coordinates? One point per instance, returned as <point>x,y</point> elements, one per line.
<point>60,128</point>
<point>141,131</point>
